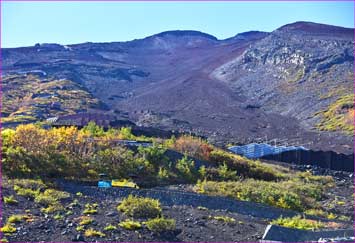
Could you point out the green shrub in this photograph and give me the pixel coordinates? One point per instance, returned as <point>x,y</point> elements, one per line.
<point>85,220</point>
<point>186,168</point>
<point>52,208</point>
<point>120,162</point>
<point>10,200</point>
<point>110,227</point>
<point>316,212</point>
<point>58,195</point>
<point>140,207</point>
<point>224,219</point>
<point>126,133</point>
<point>225,173</point>
<point>58,217</point>
<point>161,225</point>
<point>90,208</point>
<point>339,116</point>
<point>50,197</point>
<point>80,228</point>
<point>93,233</point>
<point>155,155</point>
<point>163,173</point>
<point>15,219</point>
<point>285,194</point>
<point>93,129</point>
<point>44,199</point>
<point>8,229</point>
<point>202,171</point>
<point>74,203</point>
<point>344,218</point>
<point>130,225</point>
<point>244,167</point>
<point>26,192</point>
<point>298,223</point>
<point>30,184</point>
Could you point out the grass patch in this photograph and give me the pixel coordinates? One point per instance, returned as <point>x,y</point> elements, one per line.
<point>130,225</point>
<point>244,167</point>
<point>50,196</point>
<point>52,208</point>
<point>90,208</point>
<point>8,229</point>
<point>224,219</point>
<point>58,217</point>
<point>80,228</point>
<point>110,227</point>
<point>293,194</point>
<point>298,222</point>
<point>93,233</point>
<point>26,192</point>
<point>85,220</point>
<point>10,200</point>
<point>15,219</point>
<point>339,116</point>
<point>30,184</point>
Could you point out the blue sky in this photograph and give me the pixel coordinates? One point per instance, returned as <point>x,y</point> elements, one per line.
<point>27,23</point>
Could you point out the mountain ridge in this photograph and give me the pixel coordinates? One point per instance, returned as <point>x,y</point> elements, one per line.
<point>193,82</point>
<point>291,26</point>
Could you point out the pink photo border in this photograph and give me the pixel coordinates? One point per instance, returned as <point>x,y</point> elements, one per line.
<point>187,1</point>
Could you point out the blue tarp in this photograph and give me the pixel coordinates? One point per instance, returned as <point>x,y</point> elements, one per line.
<point>258,150</point>
<point>104,184</point>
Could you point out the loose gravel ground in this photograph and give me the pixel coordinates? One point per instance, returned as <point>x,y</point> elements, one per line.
<point>193,223</point>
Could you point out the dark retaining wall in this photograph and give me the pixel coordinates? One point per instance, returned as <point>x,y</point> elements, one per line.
<point>323,159</point>
<point>275,233</point>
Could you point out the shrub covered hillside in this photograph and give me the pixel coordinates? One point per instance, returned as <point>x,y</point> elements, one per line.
<point>32,151</point>
<point>339,116</point>
<point>30,98</point>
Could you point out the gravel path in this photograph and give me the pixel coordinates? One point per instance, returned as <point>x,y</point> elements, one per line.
<point>174,197</point>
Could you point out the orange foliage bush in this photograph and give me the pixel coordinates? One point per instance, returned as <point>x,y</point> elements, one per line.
<point>192,146</point>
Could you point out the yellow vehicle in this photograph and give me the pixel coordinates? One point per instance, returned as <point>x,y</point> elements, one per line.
<point>124,183</point>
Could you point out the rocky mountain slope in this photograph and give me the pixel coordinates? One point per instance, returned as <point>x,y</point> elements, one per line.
<point>295,83</point>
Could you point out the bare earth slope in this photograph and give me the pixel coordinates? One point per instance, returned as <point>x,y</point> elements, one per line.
<point>253,85</point>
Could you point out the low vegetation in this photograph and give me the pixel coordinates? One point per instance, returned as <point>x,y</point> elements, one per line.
<point>15,219</point>
<point>299,193</point>
<point>31,151</point>
<point>139,207</point>
<point>50,197</point>
<point>110,227</point>
<point>224,219</point>
<point>85,220</point>
<point>8,229</point>
<point>130,224</point>
<point>10,200</point>
<point>339,116</point>
<point>93,233</point>
<point>90,208</point>
<point>298,222</point>
<point>192,146</point>
<point>29,98</point>
<point>161,225</point>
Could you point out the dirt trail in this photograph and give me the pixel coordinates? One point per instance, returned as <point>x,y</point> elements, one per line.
<point>174,197</point>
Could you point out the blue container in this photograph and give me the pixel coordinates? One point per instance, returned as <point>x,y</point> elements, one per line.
<point>104,184</point>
